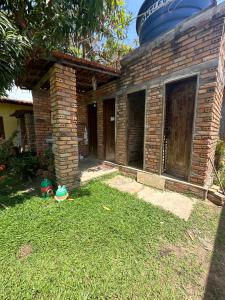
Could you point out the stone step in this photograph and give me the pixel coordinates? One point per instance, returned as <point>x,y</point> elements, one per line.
<point>151,180</point>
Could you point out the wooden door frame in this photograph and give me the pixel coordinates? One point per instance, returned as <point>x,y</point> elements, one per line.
<point>129,92</point>
<point>104,125</point>
<point>171,81</point>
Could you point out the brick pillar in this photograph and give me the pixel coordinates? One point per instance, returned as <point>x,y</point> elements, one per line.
<point>121,130</point>
<point>153,129</point>
<point>42,118</point>
<point>207,124</point>
<point>29,124</point>
<point>64,124</point>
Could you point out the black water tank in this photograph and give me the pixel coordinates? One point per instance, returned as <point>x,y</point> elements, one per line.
<point>159,16</point>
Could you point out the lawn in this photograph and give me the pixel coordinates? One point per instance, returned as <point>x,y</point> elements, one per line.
<point>104,245</point>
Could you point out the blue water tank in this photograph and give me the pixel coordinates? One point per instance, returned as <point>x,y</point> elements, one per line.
<point>159,16</point>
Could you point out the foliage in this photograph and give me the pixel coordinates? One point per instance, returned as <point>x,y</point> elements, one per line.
<point>106,45</point>
<point>220,155</point>
<point>7,149</point>
<point>62,24</point>
<point>220,163</point>
<point>33,28</point>
<point>13,47</point>
<point>108,52</point>
<point>24,166</point>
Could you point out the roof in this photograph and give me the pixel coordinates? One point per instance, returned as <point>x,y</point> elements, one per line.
<point>16,102</point>
<point>21,113</point>
<point>37,69</point>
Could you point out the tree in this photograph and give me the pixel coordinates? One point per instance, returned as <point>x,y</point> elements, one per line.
<point>13,47</point>
<point>59,24</point>
<point>77,26</point>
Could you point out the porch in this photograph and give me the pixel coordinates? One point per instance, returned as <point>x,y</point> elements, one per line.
<point>68,119</point>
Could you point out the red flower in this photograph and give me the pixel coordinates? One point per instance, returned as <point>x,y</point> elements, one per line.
<point>2,168</point>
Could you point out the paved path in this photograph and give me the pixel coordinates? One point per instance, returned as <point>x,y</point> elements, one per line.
<point>93,168</point>
<point>178,204</point>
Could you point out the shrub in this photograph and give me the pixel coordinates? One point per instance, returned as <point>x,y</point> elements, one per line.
<point>220,163</point>
<point>7,150</point>
<point>220,155</point>
<point>24,166</point>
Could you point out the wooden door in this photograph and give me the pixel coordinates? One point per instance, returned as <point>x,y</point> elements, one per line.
<point>92,129</point>
<point>179,127</point>
<point>109,129</point>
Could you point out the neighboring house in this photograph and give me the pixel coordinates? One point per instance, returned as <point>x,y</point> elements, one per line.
<point>17,115</point>
<point>159,115</point>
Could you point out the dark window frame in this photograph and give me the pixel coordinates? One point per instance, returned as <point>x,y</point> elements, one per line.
<point>2,128</point>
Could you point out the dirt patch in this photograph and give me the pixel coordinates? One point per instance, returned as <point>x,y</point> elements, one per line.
<point>24,251</point>
<point>179,251</point>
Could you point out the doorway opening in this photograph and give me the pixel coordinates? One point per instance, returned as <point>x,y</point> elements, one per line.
<point>109,129</point>
<point>92,129</point>
<point>178,131</point>
<point>136,129</point>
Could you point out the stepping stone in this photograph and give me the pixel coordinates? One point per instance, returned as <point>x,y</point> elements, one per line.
<point>125,184</point>
<point>151,180</point>
<point>178,204</point>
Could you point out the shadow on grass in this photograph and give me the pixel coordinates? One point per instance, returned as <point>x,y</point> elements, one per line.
<point>13,192</point>
<point>80,192</point>
<point>215,286</point>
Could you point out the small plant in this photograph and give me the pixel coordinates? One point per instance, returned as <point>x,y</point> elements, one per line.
<point>220,155</point>
<point>220,163</point>
<point>24,166</point>
<point>7,150</point>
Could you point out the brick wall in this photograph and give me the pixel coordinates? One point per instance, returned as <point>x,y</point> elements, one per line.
<point>42,118</point>
<point>193,48</point>
<point>196,47</point>
<point>121,130</point>
<point>154,123</point>
<point>222,124</point>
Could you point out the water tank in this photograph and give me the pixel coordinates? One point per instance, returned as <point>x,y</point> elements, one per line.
<point>159,16</point>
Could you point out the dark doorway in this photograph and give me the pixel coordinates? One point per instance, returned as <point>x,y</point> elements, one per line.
<point>180,106</point>
<point>136,129</point>
<point>92,129</point>
<point>109,129</point>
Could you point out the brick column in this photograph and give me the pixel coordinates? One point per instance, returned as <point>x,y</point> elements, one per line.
<point>153,129</point>
<point>121,130</point>
<point>29,124</point>
<point>207,122</point>
<point>64,124</point>
<point>42,118</point>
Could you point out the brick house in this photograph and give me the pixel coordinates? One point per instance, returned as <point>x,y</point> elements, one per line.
<point>17,115</point>
<point>160,113</point>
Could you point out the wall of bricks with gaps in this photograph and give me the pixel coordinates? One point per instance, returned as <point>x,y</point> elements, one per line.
<point>194,48</point>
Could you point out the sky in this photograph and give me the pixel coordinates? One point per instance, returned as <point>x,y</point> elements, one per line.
<point>133,6</point>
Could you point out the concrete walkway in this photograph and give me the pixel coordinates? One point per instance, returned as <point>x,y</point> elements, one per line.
<point>93,168</point>
<point>178,204</point>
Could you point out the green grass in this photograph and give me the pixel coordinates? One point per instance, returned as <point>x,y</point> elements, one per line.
<point>103,245</point>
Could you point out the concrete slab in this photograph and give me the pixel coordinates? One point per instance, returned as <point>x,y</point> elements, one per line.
<point>151,180</point>
<point>178,204</point>
<point>125,184</point>
<point>91,169</point>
